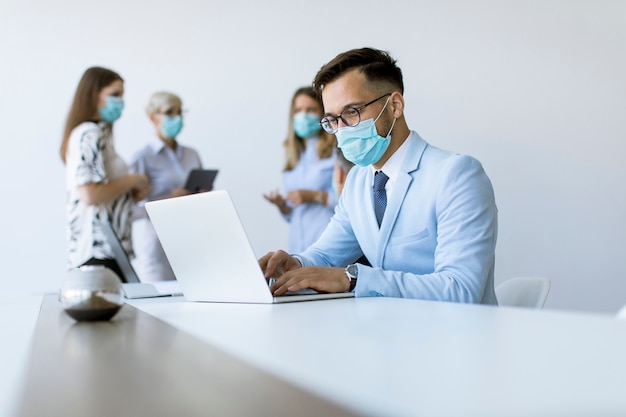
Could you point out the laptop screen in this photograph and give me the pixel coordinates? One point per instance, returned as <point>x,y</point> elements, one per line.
<point>120,254</point>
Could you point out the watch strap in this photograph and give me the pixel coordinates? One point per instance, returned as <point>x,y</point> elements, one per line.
<point>352,276</point>
<point>352,284</point>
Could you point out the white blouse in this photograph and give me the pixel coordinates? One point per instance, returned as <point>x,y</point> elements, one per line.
<point>91,158</point>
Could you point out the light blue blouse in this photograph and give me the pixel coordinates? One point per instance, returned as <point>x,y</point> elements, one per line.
<point>166,169</point>
<point>308,221</point>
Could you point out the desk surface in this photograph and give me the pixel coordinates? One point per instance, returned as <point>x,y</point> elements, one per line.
<point>18,317</point>
<point>395,357</point>
<point>136,365</point>
<point>368,356</point>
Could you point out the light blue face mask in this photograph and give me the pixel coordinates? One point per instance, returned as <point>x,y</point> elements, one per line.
<point>171,126</point>
<point>361,144</point>
<point>112,109</point>
<point>306,124</point>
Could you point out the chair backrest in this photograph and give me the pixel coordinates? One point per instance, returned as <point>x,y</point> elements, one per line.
<point>530,292</point>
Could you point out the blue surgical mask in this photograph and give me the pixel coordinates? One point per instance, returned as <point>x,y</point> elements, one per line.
<point>361,144</point>
<point>112,109</point>
<point>171,126</point>
<point>306,124</point>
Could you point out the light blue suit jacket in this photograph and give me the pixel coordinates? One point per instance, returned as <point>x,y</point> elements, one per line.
<point>438,236</point>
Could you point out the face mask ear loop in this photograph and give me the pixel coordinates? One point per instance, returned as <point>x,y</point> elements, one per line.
<point>383,109</point>
<point>392,125</point>
<point>380,114</point>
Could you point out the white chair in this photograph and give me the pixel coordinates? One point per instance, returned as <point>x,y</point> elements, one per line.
<point>530,292</point>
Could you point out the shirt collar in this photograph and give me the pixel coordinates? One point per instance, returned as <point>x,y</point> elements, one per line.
<point>394,163</point>
<point>157,146</point>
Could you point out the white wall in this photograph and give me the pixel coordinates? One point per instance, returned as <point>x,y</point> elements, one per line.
<point>534,89</point>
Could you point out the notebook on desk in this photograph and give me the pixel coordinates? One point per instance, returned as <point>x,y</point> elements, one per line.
<point>209,252</point>
<point>132,285</point>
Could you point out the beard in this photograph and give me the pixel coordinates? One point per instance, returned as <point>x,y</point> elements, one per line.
<point>385,123</point>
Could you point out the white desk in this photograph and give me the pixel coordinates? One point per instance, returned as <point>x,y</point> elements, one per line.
<point>394,357</point>
<point>374,356</point>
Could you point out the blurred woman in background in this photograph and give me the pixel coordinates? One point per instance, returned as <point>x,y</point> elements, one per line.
<point>99,186</point>
<point>308,202</point>
<point>167,164</point>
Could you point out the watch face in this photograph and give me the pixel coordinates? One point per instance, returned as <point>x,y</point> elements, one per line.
<point>353,270</point>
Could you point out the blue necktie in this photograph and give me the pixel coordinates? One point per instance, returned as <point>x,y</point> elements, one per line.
<point>380,195</point>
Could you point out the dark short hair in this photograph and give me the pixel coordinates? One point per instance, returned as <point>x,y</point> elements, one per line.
<point>376,65</point>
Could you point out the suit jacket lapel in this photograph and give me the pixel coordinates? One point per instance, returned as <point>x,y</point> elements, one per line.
<point>399,192</point>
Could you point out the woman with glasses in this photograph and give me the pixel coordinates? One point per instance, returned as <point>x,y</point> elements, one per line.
<point>99,187</point>
<point>308,202</point>
<point>167,164</point>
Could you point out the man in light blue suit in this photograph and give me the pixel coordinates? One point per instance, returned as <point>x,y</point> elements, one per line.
<point>425,218</point>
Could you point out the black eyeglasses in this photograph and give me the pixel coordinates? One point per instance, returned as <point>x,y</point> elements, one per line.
<point>350,116</point>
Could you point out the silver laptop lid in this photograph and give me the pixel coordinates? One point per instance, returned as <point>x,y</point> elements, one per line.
<point>208,249</point>
<point>210,253</point>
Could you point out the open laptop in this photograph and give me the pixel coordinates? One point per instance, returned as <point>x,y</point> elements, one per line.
<point>210,254</point>
<point>132,285</point>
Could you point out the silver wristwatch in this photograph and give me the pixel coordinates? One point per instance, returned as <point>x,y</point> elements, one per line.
<point>352,272</point>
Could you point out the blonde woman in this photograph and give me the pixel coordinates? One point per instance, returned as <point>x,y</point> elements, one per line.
<point>308,202</point>
<point>167,164</point>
